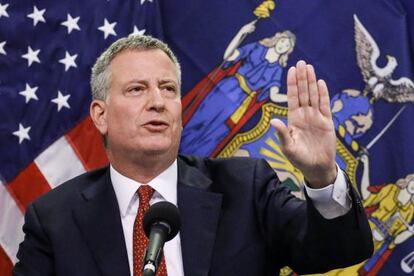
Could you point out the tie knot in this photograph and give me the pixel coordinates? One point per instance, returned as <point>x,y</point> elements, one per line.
<point>145,193</point>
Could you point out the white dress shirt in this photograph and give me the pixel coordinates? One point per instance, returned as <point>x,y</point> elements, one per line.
<point>165,186</point>
<point>331,201</point>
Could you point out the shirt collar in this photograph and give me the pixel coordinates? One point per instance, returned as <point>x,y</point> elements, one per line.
<point>125,188</point>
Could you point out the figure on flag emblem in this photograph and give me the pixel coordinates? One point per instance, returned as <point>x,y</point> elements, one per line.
<point>390,209</point>
<point>256,80</point>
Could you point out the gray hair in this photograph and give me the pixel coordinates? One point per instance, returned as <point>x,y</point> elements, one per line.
<point>100,78</point>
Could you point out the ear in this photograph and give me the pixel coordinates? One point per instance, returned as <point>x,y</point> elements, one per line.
<point>98,115</point>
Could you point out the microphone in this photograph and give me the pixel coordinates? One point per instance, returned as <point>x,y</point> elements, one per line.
<point>161,223</point>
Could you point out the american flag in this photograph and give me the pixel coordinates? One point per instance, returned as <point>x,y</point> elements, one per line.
<point>46,136</point>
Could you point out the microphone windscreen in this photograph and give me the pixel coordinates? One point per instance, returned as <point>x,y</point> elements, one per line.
<point>164,212</point>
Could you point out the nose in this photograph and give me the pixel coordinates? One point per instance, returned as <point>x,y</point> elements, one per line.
<point>155,100</point>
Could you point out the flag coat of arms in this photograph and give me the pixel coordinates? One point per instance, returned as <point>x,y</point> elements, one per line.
<point>234,56</point>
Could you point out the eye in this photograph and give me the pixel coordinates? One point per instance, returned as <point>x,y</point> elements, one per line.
<point>170,89</point>
<point>136,89</point>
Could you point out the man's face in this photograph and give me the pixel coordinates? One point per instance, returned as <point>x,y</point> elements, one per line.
<point>142,113</point>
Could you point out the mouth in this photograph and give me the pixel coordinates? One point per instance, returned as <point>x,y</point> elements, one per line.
<point>156,125</point>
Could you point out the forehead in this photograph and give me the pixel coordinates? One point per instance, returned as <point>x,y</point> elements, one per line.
<point>152,62</point>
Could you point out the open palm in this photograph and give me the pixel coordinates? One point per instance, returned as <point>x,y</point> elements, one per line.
<point>309,139</point>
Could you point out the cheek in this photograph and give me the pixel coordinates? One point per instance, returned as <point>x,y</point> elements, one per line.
<point>116,117</point>
<point>178,126</point>
<point>121,117</point>
<point>176,110</point>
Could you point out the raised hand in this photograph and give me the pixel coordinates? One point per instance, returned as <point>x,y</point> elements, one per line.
<point>309,139</point>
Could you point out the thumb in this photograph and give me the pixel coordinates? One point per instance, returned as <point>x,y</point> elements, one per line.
<point>282,132</point>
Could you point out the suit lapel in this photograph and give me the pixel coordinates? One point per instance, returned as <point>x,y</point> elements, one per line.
<point>200,211</point>
<point>99,221</point>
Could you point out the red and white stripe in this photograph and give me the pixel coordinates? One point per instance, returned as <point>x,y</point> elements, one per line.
<point>80,150</point>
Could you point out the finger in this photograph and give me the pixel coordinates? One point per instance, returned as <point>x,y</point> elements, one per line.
<point>324,99</point>
<point>313,86</point>
<point>302,81</point>
<point>282,132</point>
<point>292,92</point>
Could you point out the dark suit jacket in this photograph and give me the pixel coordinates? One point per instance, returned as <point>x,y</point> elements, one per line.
<point>236,220</point>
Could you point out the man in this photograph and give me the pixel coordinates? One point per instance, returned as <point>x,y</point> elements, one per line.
<point>236,217</point>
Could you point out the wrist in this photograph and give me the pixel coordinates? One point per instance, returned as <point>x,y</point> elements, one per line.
<point>322,179</point>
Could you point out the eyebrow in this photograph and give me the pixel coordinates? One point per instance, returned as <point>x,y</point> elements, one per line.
<point>137,81</point>
<point>164,81</point>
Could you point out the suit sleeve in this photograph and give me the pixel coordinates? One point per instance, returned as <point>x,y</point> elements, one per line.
<point>35,252</point>
<point>299,237</point>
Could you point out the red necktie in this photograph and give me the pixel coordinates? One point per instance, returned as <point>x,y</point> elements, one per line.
<point>140,240</point>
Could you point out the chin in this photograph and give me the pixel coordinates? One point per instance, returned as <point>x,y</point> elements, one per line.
<point>157,148</point>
